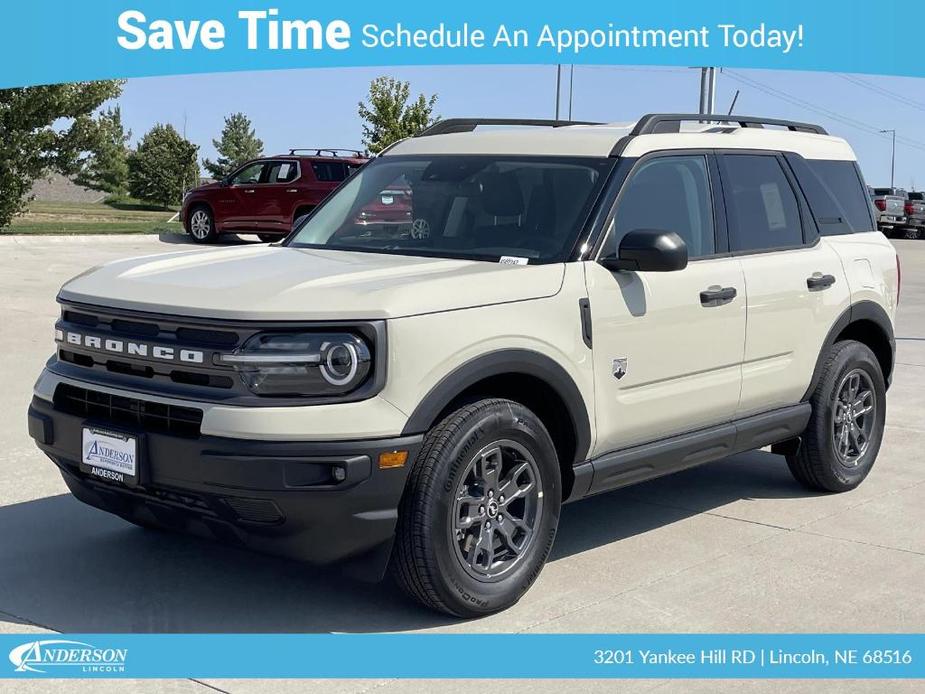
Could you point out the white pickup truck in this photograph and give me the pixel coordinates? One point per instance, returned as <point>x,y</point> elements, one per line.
<point>890,204</point>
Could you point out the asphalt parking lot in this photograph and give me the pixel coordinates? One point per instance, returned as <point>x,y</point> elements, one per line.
<point>735,546</point>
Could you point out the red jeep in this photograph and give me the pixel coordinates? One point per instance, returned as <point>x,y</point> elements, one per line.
<point>266,196</point>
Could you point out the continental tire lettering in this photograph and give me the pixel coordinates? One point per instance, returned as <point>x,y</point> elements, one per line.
<point>462,458</point>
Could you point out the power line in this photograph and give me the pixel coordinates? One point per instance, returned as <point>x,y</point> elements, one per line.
<point>883,91</point>
<point>809,106</point>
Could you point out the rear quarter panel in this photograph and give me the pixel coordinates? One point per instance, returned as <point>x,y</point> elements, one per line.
<point>869,261</point>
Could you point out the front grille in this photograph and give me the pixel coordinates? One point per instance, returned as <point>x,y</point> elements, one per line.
<point>178,334</point>
<point>117,410</point>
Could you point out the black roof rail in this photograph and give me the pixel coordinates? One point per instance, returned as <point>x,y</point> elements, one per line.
<point>467,125</point>
<point>329,151</point>
<point>671,123</point>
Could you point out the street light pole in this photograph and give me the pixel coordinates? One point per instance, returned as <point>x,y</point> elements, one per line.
<point>892,131</point>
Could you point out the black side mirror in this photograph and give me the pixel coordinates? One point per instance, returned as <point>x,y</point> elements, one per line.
<point>649,250</point>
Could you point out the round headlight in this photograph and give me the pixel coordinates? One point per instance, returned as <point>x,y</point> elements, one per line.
<point>340,362</point>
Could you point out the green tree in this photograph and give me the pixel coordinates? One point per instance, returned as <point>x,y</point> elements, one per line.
<point>163,166</point>
<point>238,144</point>
<point>106,167</point>
<point>43,129</point>
<point>390,115</point>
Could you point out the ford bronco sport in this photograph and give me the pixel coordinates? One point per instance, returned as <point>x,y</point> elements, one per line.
<point>267,196</point>
<point>568,310</point>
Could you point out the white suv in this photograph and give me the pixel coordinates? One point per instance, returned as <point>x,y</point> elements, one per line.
<point>558,312</point>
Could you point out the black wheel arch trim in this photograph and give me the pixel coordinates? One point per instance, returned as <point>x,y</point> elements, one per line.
<point>501,363</point>
<point>861,311</point>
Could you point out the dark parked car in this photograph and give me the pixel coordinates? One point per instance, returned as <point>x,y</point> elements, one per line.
<point>915,211</point>
<point>266,196</point>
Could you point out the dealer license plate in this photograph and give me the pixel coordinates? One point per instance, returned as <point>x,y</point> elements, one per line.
<point>109,455</point>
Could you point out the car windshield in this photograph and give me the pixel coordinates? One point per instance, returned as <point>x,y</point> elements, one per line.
<point>475,207</point>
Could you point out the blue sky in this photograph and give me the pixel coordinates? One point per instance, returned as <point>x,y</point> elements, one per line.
<point>318,107</point>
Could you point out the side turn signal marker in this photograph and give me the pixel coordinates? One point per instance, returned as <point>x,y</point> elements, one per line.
<point>392,459</point>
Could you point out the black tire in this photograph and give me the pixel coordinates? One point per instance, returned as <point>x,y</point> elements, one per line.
<point>428,561</point>
<point>201,224</point>
<point>270,238</point>
<point>818,464</point>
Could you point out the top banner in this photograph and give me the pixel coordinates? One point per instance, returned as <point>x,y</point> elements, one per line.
<point>49,41</point>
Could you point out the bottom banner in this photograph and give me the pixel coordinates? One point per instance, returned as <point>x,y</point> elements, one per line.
<point>714,656</point>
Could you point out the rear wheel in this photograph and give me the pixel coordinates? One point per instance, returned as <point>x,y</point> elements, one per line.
<point>480,512</point>
<point>202,225</point>
<point>269,238</point>
<point>840,445</point>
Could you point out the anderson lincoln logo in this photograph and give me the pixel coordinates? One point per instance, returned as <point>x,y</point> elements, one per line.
<point>54,654</point>
<point>127,347</point>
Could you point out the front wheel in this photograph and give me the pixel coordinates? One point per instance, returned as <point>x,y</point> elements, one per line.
<point>480,511</point>
<point>202,225</point>
<point>841,442</point>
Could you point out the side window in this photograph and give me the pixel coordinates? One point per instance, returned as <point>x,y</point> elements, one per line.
<point>762,207</point>
<point>844,183</point>
<point>669,193</point>
<point>282,172</point>
<point>330,171</point>
<point>839,201</point>
<point>249,175</point>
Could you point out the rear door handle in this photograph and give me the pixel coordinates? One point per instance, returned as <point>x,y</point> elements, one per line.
<point>817,282</point>
<point>717,296</point>
<point>292,190</point>
<point>250,190</point>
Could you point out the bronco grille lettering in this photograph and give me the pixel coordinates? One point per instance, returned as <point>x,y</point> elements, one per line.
<point>136,349</point>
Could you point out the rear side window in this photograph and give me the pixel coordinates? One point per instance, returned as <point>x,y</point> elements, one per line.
<point>840,180</point>
<point>330,171</point>
<point>762,207</point>
<point>670,193</point>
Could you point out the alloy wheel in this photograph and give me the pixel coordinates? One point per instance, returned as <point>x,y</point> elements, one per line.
<point>496,509</point>
<point>855,416</point>
<point>200,225</point>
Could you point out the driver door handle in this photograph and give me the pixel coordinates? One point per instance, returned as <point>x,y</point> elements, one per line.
<point>818,281</point>
<point>717,296</point>
<point>292,190</point>
<point>249,190</point>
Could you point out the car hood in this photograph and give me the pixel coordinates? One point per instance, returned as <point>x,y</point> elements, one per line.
<point>282,283</point>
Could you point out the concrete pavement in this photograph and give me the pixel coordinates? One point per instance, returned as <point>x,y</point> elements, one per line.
<point>732,546</point>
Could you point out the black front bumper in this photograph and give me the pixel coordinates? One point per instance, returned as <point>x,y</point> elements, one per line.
<point>270,496</point>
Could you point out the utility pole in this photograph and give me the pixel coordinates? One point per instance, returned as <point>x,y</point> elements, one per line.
<point>892,131</point>
<point>558,87</point>
<point>707,90</point>
<point>571,87</point>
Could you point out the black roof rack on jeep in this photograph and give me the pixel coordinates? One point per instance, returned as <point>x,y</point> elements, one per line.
<point>671,123</point>
<point>327,151</point>
<point>467,125</point>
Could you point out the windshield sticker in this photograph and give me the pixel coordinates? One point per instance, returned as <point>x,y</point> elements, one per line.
<point>513,260</point>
